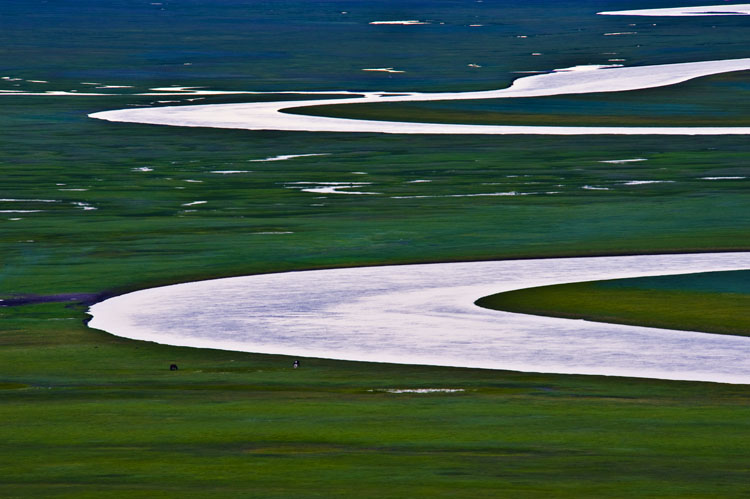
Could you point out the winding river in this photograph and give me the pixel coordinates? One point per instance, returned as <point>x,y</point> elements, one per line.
<point>574,80</point>
<point>425,314</point>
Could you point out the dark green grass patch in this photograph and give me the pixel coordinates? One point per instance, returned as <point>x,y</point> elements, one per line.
<point>720,100</point>
<point>713,302</point>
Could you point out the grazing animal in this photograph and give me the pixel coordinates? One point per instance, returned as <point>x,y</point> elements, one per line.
<point>173,367</point>
<point>295,364</point>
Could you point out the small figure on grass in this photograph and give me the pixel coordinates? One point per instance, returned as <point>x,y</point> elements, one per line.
<point>295,364</point>
<point>173,367</point>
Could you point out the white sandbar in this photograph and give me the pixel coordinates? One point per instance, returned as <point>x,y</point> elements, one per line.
<point>284,157</point>
<point>384,70</point>
<point>329,187</point>
<point>577,80</point>
<point>410,22</point>
<point>13,200</point>
<point>623,161</point>
<point>424,314</point>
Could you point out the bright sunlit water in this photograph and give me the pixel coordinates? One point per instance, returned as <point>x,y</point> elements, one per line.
<point>424,314</point>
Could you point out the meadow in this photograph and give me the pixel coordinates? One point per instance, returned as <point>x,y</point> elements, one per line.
<point>120,222</point>
<point>89,209</point>
<point>711,302</point>
<point>86,414</point>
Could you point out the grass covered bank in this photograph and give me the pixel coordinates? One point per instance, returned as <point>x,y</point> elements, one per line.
<point>712,302</point>
<point>87,414</point>
<point>718,100</point>
<point>89,206</point>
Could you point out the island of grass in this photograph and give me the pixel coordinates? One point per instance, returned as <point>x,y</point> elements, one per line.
<point>711,302</point>
<point>708,101</point>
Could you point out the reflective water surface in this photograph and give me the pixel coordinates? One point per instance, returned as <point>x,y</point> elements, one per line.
<point>424,314</point>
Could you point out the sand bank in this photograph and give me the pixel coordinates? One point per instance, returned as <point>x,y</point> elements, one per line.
<point>409,22</point>
<point>284,157</point>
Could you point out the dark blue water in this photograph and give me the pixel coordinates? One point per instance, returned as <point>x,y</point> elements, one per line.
<point>283,45</point>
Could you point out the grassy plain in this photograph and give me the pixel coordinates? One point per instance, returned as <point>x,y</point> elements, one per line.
<point>99,208</point>
<point>713,302</point>
<point>432,204</point>
<point>87,414</point>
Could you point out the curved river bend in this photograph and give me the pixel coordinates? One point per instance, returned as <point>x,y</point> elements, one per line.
<point>424,314</point>
<point>575,80</point>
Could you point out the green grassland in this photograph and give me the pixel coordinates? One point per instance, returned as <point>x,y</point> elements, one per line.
<point>713,302</point>
<point>720,100</point>
<point>86,414</point>
<point>95,208</point>
<point>142,233</point>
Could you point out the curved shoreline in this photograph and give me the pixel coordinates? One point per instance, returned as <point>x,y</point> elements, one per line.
<point>577,80</point>
<point>424,314</point>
